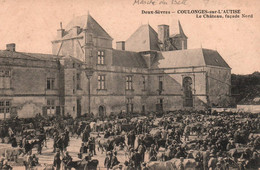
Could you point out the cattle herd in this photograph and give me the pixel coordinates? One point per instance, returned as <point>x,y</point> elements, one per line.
<point>173,140</point>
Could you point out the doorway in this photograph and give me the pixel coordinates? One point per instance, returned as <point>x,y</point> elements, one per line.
<point>187,90</point>
<point>78,107</point>
<point>101,111</point>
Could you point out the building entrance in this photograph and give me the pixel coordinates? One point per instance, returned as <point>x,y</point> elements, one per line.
<point>101,111</point>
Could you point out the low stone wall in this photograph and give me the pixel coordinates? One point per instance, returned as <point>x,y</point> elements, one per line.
<point>239,109</point>
<point>248,108</point>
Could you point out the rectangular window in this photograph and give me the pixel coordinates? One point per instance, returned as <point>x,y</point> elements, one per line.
<point>5,73</point>
<point>2,110</point>
<point>5,79</point>
<point>129,82</point>
<point>5,106</point>
<point>101,82</point>
<point>50,83</point>
<point>101,57</point>
<point>50,102</point>
<point>78,81</point>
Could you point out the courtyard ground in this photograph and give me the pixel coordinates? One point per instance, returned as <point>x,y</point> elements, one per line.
<point>46,158</point>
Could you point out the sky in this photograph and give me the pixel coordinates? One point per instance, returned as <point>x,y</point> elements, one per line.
<point>33,24</point>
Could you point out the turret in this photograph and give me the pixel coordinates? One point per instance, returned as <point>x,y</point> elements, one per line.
<point>163,33</point>
<point>179,40</point>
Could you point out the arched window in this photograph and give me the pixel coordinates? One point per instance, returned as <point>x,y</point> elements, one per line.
<point>187,92</point>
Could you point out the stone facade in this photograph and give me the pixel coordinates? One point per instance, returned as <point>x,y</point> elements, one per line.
<point>148,72</point>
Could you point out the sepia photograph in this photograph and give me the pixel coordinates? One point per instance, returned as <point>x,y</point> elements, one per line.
<point>129,85</point>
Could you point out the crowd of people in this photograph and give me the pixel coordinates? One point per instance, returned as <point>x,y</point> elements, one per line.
<point>215,141</point>
<point>180,139</point>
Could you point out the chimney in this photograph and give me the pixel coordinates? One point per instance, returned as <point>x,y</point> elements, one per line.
<point>120,45</point>
<point>75,30</point>
<point>10,47</point>
<point>60,32</point>
<point>163,33</point>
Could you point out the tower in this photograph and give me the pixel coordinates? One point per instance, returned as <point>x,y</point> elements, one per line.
<point>179,40</point>
<point>183,37</point>
<point>163,33</point>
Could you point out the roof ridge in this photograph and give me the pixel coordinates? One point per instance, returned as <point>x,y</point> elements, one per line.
<point>181,32</point>
<point>27,55</point>
<point>204,58</point>
<point>150,31</point>
<point>39,53</point>
<point>124,51</point>
<point>149,37</point>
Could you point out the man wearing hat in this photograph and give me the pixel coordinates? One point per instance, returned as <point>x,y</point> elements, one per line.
<point>212,161</point>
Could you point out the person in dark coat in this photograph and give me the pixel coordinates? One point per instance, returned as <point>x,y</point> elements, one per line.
<point>85,136</point>
<point>114,160</point>
<point>91,146</point>
<point>13,141</point>
<point>83,148</point>
<point>60,143</point>
<point>39,147</point>
<point>107,162</point>
<point>67,159</point>
<point>27,147</point>
<point>137,159</point>
<point>55,139</point>
<point>66,138</point>
<point>57,160</point>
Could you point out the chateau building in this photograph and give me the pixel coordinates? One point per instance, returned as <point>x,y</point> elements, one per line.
<point>150,71</point>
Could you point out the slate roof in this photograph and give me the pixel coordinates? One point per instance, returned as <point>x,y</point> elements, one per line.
<point>213,58</point>
<point>30,56</point>
<point>128,59</point>
<point>86,22</point>
<point>191,58</point>
<point>145,38</point>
